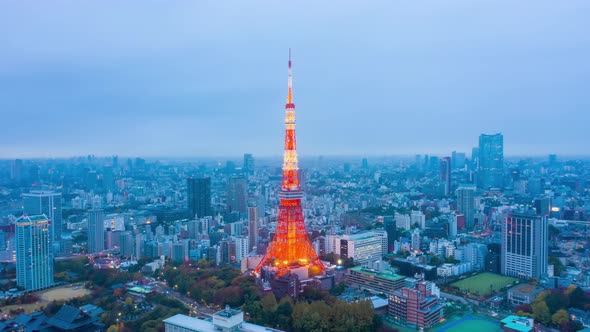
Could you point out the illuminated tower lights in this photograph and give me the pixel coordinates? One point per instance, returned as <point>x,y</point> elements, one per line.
<point>290,246</point>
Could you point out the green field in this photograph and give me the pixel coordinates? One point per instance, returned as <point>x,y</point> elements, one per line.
<point>469,323</point>
<point>480,284</point>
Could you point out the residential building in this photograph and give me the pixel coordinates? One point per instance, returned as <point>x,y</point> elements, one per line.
<point>34,254</point>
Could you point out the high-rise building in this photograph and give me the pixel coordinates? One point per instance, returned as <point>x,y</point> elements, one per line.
<point>417,217</point>
<point>242,247</point>
<point>252,227</point>
<point>492,260</point>
<point>179,252</point>
<point>248,163</point>
<point>126,244</point>
<point>199,197</point>
<point>34,252</point>
<point>524,245</point>
<point>95,231</point>
<point>237,195</point>
<point>466,204</point>
<point>445,176</point>
<point>16,170</point>
<point>290,246</point>
<point>391,229</point>
<point>458,160</point>
<point>543,205</point>
<point>416,239</point>
<point>49,204</point>
<point>198,227</point>
<point>491,161</point>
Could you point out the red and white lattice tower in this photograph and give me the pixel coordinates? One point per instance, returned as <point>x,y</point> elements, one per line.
<point>290,247</point>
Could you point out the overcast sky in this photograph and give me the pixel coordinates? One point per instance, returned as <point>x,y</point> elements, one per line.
<point>209,78</point>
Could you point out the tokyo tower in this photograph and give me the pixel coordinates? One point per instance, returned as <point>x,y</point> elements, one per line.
<point>290,247</point>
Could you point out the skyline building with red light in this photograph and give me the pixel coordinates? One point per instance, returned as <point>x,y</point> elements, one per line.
<point>290,247</point>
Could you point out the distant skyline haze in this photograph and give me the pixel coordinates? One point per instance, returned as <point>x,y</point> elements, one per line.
<point>183,78</point>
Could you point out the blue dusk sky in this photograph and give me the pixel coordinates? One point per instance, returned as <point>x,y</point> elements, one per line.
<point>209,78</point>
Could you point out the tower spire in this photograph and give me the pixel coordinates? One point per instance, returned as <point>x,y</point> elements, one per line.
<point>290,167</point>
<point>290,93</point>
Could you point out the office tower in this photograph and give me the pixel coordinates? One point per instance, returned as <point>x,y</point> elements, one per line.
<point>458,160</point>
<point>466,204</point>
<point>95,231</point>
<point>491,161</point>
<point>543,206</point>
<point>126,244</point>
<point>365,164</point>
<point>108,179</point>
<point>252,227</point>
<point>434,164</point>
<point>237,195</point>
<point>524,245</point>
<point>365,247</point>
<point>248,163</point>
<point>34,252</point>
<point>391,229</point>
<point>445,176</point>
<point>49,204</point>
<point>199,196</point>
<point>290,246</point>
<point>16,170</point>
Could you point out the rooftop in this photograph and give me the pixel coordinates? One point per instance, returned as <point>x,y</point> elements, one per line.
<point>517,323</point>
<point>227,312</point>
<point>389,276</point>
<point>190,323</point>
<point>526,289</point>
<point>35,218</point>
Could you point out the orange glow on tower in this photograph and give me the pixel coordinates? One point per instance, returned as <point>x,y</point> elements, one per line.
<point>290,246</point>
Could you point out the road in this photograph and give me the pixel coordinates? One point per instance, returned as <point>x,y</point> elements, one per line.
<point>458,298</point>
<point>196,310</point>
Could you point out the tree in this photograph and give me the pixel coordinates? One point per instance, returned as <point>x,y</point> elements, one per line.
<point>556,301</point>
<point>284,312</point>
<point>557,265</point>
<point>269,304</point>
<point>541,312</point>
<point>578,298</point>
<point>560,317</point>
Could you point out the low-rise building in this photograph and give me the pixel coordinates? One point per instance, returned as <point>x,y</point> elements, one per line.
<point>375,281</point>
<point>523,294</point>
<point>517,324</point>
<point>416,307</point>
<point>225,320</point>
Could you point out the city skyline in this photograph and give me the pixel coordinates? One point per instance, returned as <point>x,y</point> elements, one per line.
<point>385,79</point>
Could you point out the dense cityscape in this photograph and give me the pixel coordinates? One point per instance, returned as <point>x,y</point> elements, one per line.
<point>393,243</point>
<point>434,176</point>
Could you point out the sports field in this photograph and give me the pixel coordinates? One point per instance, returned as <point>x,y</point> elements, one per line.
<point>469,323</point>
<point>480,284</point>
